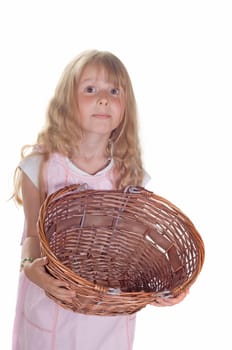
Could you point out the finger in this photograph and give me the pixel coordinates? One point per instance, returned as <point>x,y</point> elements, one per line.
<point>163,302</point>
<point>156,303</point>
<point>60,284</point>
<point>182,295</point>
<point>177,299</point>
<point>61,287</point>
<point>62,293</point>
<point>41,261</point>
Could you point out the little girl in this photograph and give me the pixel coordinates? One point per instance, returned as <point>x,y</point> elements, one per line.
<point>91,137</point>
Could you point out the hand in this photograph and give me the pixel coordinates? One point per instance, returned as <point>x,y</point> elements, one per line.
<point>37,273</point>
<point>170,301</point>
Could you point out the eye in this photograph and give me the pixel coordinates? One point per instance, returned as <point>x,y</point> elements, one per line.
<point>115,91</point>
<point>90,89</point>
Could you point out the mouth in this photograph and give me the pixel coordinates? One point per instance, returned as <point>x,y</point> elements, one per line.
<point>101,116</point>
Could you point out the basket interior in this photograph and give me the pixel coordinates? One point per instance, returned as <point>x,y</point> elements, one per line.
<point>128,242</point>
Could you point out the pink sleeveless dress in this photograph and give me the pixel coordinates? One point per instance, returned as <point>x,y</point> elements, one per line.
<point>40,323</point>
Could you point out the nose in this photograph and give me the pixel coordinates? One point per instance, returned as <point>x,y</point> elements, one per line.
<point>103,98</point>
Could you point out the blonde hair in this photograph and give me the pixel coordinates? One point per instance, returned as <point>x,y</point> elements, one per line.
<point>62,132</point>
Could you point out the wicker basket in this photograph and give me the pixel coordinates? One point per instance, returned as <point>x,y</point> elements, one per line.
<point>119,250</point>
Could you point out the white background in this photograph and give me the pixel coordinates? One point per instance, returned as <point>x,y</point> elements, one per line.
<point>178,54</point>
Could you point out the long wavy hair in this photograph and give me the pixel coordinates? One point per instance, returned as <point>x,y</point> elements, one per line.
<point>62,132</point>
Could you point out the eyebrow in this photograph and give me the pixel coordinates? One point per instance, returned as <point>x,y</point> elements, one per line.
<point>93,80</point>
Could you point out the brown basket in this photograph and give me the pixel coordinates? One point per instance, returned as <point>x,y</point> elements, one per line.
<point>119,250</point>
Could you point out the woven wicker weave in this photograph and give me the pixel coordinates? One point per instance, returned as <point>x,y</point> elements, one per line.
<point>119,250</point>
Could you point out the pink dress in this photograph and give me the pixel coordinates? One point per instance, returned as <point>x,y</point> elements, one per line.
<point>40,323</point>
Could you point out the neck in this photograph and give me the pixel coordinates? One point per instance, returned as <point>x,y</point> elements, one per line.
<point>90,150</point>
<point>91,156</point>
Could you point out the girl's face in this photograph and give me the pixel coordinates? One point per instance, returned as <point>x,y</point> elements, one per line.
<point>101,104</point>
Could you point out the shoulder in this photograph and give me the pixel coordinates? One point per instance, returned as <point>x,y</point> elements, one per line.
<point>30,161</point>
<point>146,178</point>
<point>30,166</point>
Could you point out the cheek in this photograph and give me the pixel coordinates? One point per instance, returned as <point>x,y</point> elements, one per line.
<point>84,103</point>
<point>120,107</point>
<point>82,100</point>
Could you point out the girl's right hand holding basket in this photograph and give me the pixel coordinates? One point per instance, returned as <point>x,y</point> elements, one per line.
<point>35,271</point>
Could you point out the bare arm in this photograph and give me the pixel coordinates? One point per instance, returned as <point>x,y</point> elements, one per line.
<point>35,271</point>
<point>31,205</point>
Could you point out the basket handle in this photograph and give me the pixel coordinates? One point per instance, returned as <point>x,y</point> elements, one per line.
<point>132,189</point>
<point>136,190</point>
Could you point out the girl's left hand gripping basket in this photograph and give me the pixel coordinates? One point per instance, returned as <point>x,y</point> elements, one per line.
<point>119,250</point>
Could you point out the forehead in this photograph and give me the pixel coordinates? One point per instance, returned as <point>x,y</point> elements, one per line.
<point>93,72</point>
<point>99,71</point>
